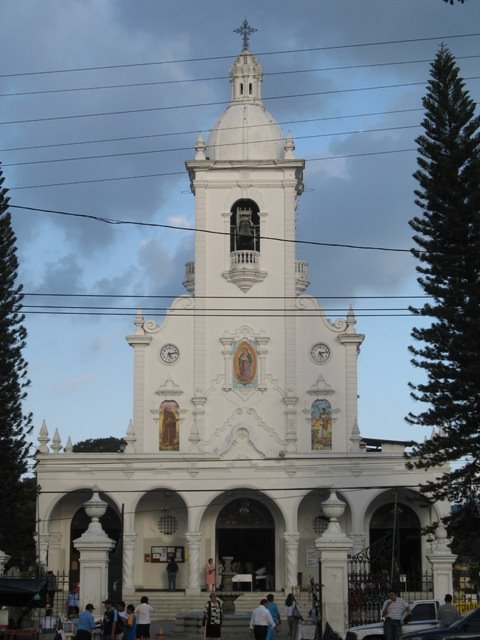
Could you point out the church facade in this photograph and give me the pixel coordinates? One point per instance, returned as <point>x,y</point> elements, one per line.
<point>244,400</point>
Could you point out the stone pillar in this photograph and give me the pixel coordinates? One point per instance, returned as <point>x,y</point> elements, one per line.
<point>194,540</point>
<point>128,580</point>
<point>43,542</point>
<point>4,558</point>
<point>442,560</point>
<point>291,555</point>
<point>94,546</point>
<point>334,547</point>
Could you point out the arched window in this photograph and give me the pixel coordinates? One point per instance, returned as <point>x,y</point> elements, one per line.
<point>244,226</point>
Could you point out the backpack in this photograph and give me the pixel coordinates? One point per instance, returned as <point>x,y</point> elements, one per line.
<point>120,626</point>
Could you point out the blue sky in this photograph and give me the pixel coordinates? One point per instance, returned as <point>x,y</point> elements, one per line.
<point>80,366</point>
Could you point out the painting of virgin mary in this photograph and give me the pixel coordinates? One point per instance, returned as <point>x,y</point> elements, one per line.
<point>245,363</point>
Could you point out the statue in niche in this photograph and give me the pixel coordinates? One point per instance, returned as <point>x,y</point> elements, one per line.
<point>245,363</point>
<point>168,426</point>
<point>321,425</point>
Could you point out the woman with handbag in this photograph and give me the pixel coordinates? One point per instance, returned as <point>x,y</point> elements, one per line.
<point>293,615</point>
<point>213,617</point>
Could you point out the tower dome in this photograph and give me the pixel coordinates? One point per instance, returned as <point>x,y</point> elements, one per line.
<point>246,130</point>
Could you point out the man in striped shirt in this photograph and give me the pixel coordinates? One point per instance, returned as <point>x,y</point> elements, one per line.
<point>392,612</point>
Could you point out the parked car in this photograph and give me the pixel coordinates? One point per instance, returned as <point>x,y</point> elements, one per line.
<point>467,628</point>
<point>423,615</point>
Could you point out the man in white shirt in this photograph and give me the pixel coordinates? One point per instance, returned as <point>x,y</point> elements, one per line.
<point>144,617</point>
<point>261,620</point>
<point>393,610</point>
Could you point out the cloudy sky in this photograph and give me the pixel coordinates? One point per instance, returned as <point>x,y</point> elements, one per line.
<point>101,103</point>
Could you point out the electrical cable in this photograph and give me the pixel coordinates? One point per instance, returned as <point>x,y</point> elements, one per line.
<point>216,78</point>
<point>115,221</point>
<point>182,173</point>
<point>217,103</point>
<point>230,56</point>
<point>211,146</point>
<point>195,132</point>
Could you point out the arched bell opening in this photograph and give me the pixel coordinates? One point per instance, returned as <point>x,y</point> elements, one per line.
<point>244,226</point>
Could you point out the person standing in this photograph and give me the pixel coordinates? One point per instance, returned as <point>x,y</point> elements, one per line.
<point>261,621</point>
<point>130,632</point>
<point>51,587</point>
<point>122,616</point>
<point>293,615</point>
<point>447,613</point>
<point>272,607</point>
<point>172,570</point>
<point>110,618</point>
<point>210,575</point>
<point>86,623</point>
<point>393,610</point>
<point>213,617</point>
<point>144,618</point>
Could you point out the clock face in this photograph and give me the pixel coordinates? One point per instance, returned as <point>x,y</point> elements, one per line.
<point>320,352</point>
<point>169,353</point>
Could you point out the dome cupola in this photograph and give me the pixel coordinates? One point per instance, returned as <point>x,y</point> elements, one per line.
<point>246,130</point>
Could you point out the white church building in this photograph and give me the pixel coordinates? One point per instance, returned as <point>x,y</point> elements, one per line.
<point>244,404</point>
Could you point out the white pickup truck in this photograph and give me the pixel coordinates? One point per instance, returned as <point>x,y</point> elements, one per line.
<point>423,615</point>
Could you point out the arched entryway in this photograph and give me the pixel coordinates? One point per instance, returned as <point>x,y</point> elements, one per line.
<point>395,543</point>
<point>245,531</point>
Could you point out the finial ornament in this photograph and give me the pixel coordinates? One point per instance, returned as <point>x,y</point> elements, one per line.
<point>245,31</point>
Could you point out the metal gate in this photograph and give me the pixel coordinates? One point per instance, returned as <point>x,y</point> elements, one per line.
<point>368,585</point>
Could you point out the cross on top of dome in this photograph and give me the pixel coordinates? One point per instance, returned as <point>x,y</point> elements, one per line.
<point>245,30</point>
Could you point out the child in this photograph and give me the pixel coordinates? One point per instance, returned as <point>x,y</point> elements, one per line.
<point>130,624</point>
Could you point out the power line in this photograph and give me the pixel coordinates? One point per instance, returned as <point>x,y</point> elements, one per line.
<point>182,173</point>
<point>116,221</point>
<point>217,103</point>
<point>195,131</point>
<point>216,78</point>
<point>214,146</point>
<point>230,56</point>
<point>232,297</point>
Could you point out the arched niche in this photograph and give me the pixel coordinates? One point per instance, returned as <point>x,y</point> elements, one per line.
<point>244,226</point>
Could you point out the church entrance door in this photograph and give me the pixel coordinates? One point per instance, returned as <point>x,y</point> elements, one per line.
<point>245,531</point>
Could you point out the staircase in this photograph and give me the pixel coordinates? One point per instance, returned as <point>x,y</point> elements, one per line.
<point>167,604</point>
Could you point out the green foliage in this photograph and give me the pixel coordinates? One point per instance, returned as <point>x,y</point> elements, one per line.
<point>100,445</point>
<point>14,424</point>
<point>447,235</point>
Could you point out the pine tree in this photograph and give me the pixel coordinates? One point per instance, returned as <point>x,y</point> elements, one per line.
<point>447,235</point>
<point>15,425</point>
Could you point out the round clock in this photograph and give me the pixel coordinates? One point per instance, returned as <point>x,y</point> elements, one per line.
<point>320,352</point>
<point>169,353</point>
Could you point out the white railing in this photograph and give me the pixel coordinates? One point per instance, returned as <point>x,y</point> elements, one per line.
<point>244,257</point>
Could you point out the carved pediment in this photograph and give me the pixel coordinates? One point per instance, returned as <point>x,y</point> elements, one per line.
<point>169,388</point>
<point>321,387</point>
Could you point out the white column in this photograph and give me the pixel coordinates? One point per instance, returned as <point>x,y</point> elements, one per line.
<point>291,560</point>
<point>128,579</point>
<point>194,540</point>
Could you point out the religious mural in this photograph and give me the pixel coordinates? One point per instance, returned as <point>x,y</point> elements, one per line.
<point>321,424</point>
<point>245,364</point>
<point>168,426</point>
